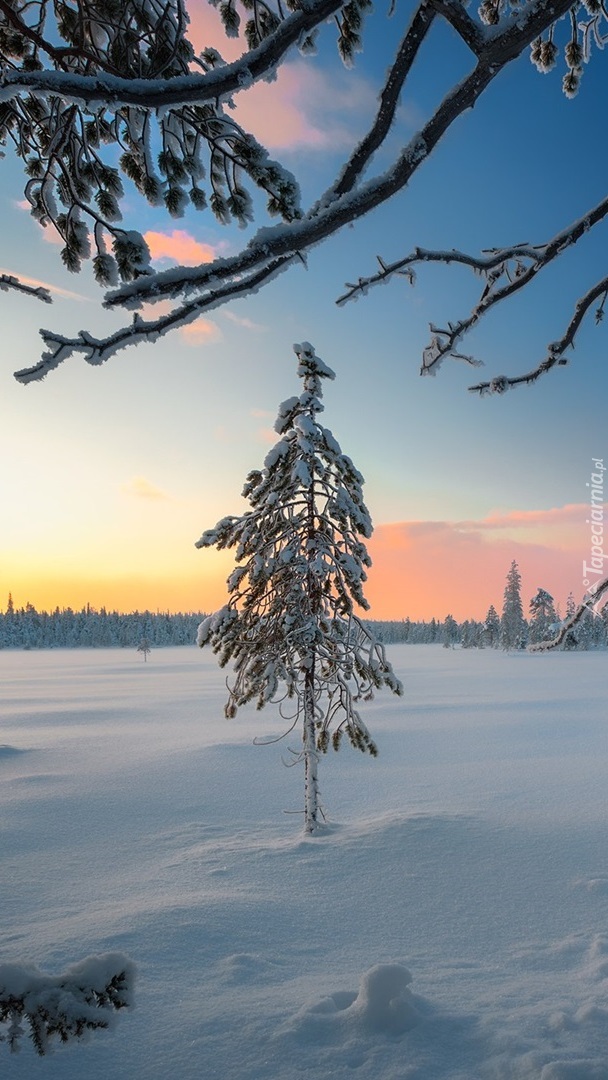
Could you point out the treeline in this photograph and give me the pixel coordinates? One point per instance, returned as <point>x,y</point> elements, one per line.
<point>590,633</point>
<point>511,630</point>
<point>26,628</point>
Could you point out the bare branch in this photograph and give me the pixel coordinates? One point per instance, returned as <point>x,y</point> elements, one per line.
<point>97,350</point>
<point>555,351</point>
<point>505,271</point>
<point>455,13</point>
<point>7,281</point>
<point>389,99</point>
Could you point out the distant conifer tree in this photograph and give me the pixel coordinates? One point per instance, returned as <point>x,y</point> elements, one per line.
<point>449,632</point>
<point>513,627</point>
<point>543,617</point>
<point>491,627</point>
<point>145,648</point>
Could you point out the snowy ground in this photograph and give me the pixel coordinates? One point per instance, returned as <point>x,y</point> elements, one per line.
<point>473,852</point>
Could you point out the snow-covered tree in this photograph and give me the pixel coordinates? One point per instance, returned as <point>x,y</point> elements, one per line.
<point>513,628</point>
<point>543,623</point>
<point>471,636</point>
<point>582,628</point>
<point>144,647</point>
<point>449,632</point>
<point>290,627</point>
<point>570,640</point>
<point>99,99</point>
<point>83,998</point>
<point>491,627</point>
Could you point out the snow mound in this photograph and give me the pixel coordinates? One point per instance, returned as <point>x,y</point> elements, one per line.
<point>383,1005</point>
<point>597,885</point>
<point>385,1002</point>
<point>246,968</point>
<point>8,751</point>
<point>575,1070</point>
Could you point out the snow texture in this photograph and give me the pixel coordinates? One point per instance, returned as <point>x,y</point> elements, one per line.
<point>471,854</point>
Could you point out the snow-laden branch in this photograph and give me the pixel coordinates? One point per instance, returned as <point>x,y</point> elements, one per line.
<point>60,55</point>
<point>7,281</point>
<point>454,12</point>
<point>585,607</point>
<point>556,350</point>
<point>388,102</point>
<point>110,90</point>
<point>273,247</point>
<point>323,222</point>
<point>83,998</point>
<point>504,271</point>
<point>97,350</point>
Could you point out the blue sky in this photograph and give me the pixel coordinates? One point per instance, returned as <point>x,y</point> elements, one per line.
<point>111,474</point>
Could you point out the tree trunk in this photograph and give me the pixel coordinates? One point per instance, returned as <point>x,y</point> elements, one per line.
<point>311,758</point>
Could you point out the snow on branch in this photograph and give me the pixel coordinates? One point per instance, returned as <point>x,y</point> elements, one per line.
<point>588,605</point>
<point>7,281</point>
<point>97,350</point>
<point>68,1006</point>
<point>454,12</point>
<point>388,102</point>
<point>111,89</point>
<point>324,220</point>
<point>556,350</point>
<point>345,202</point>
<point>74,184</point>
<point>504,272</point>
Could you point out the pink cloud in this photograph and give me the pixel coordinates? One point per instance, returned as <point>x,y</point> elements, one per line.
<point>143,489</point>
<point>49,232</point>
<point>51,236</point>
<point>206,28</point>
<point>266,436</point>
<point>428,568</point>
<point>304,108</point>
<point>570,514</point>
<point>200,332</point>
<point>179,246</point>
<point>243,321</point>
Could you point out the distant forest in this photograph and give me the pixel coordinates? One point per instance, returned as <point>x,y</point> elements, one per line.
<point>27,628</point>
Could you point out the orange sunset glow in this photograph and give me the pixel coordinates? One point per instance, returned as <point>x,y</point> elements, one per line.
<point>420,570</point>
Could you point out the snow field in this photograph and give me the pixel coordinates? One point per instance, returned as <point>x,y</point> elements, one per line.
<point>452,923</point>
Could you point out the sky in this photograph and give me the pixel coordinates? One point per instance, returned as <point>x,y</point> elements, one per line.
<point>109,475</point>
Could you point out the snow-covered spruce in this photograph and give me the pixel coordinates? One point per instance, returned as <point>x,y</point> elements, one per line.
<point>513,626</point>
<point>83,998</point>
<point>544,621</point>
<point>290,627</point>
